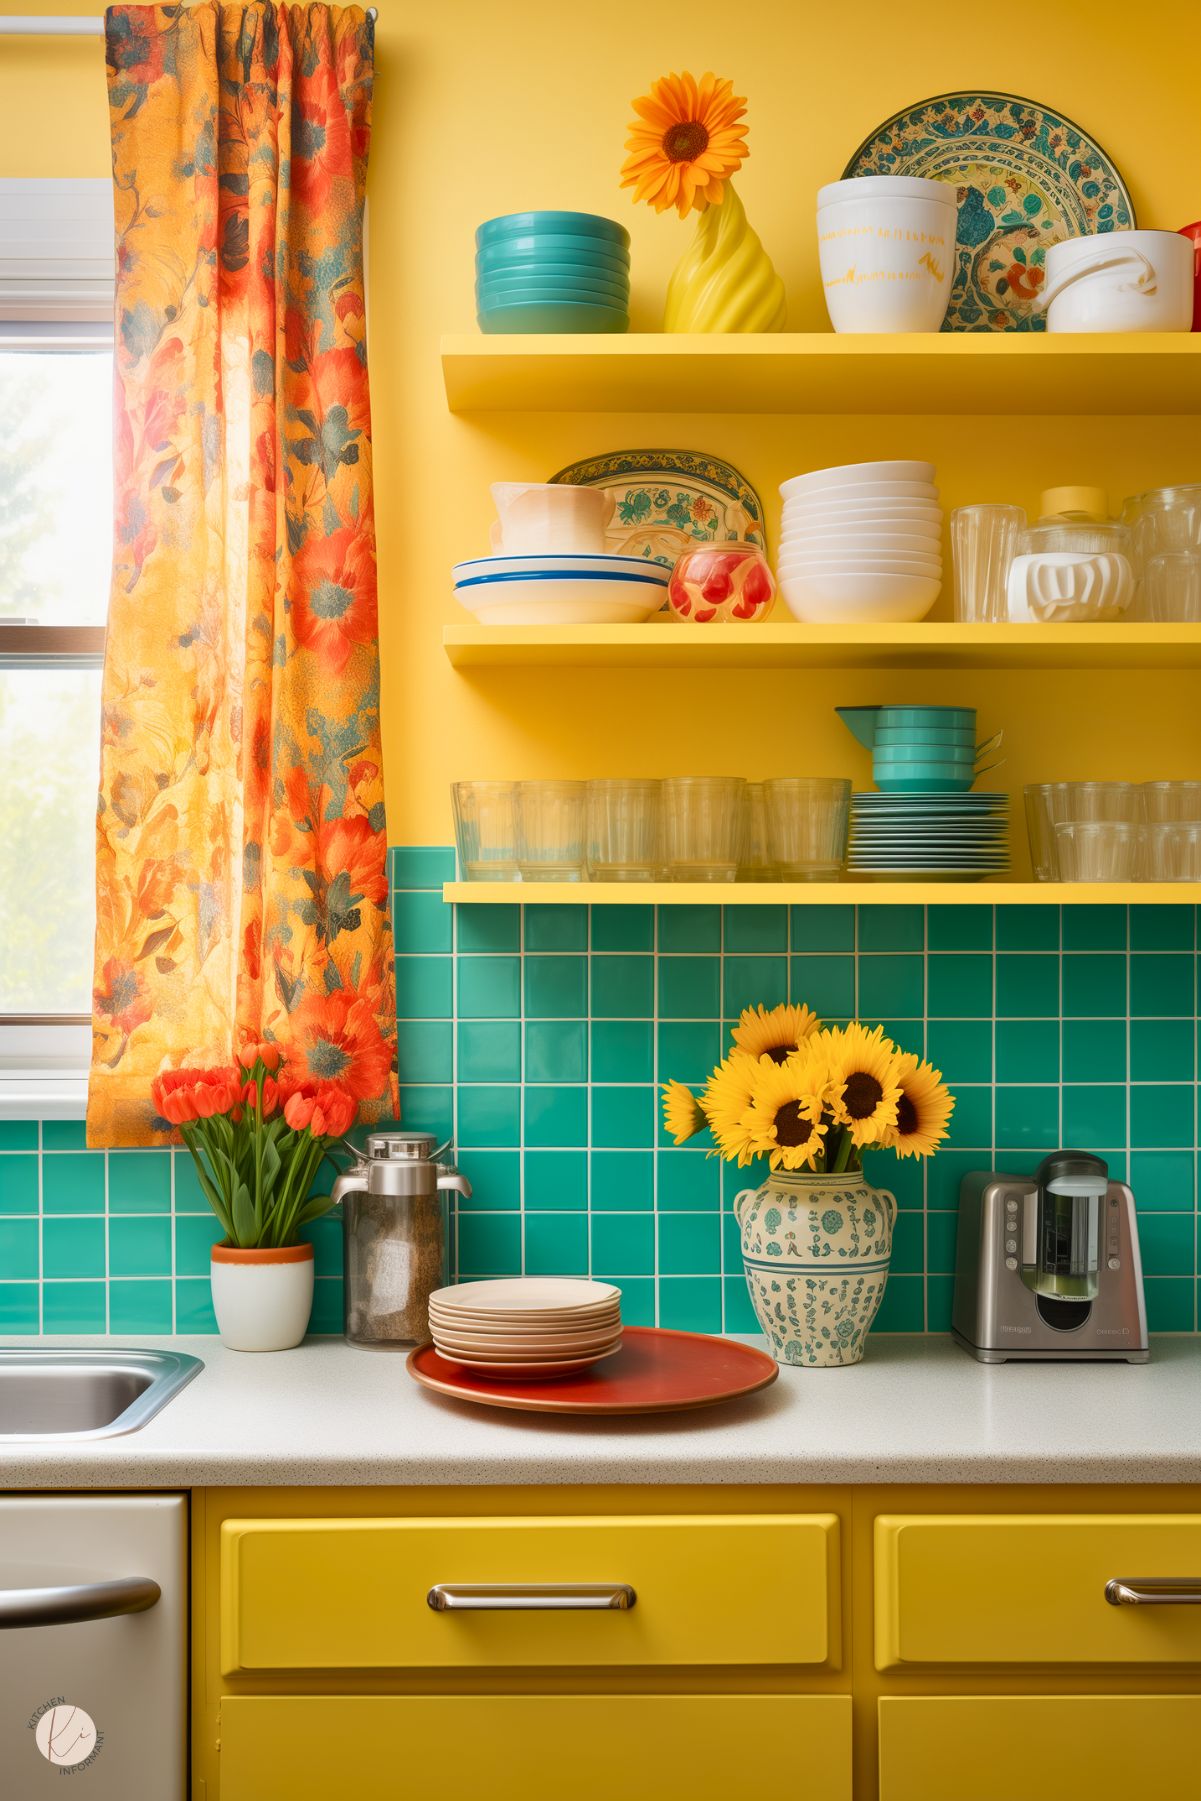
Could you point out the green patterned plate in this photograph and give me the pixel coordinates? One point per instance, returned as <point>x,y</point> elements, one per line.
<point>665,501</point>
<point>1027,177</point>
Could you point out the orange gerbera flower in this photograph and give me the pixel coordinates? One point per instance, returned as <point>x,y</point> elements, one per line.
<point>685,143</point>
<point>333,598</point>
<point>338,1039</point>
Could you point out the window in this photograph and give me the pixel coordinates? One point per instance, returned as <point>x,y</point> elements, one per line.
<point>56,305</point>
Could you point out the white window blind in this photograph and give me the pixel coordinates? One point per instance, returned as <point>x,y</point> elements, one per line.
<point>57,261</point>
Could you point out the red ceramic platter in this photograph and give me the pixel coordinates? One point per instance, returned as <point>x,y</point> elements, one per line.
<point>656,1371</point>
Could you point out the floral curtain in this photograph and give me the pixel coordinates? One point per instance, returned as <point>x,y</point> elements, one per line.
<point>241,844</point>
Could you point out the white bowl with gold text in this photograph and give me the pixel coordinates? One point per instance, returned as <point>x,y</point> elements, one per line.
<point>886,246</point>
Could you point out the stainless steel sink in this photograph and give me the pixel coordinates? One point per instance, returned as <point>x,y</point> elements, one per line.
<point>70,1395</point>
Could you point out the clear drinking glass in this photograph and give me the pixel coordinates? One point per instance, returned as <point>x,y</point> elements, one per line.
<point>1040,829</point>
<point>1099,850</point>
<point>1173,850</point>
<point>983,544</point>
<point>1172,586</point>
<point>1052,804</point>
<point>807,819</point>
<point>550,831</point>
<point>755,865</point>
<point>486,830</point>
<point>1169,519</point>
<point>702,827</point>
<point>1172,801</point>
<point>623,831</point>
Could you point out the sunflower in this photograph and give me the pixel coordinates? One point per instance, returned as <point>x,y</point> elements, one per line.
<point>682,1115</point>
<point>685,143</point>
<point>923,1109</point>
<point>864,1089</point>
<point>784,1121</point>
<point>725,1101</point>
<point>777,1034</point>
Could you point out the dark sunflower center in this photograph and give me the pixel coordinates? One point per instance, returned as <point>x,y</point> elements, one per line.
<point>780,1053</point>
<point>862,1095</point>
<point>683,142</point>
<point>792,1127</point>
<point>906,1116</point>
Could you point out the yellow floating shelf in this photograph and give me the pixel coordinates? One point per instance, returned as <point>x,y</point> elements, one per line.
<point>821,372</point>
<point>810,894</point>
<point>943,645</point>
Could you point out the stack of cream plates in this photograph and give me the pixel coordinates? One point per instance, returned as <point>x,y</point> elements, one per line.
<point>527,1326</point>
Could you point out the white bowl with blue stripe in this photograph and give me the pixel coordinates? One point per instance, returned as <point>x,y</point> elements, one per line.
<point>567,589</point>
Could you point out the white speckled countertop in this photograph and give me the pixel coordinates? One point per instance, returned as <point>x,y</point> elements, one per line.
<point>917,1410</point>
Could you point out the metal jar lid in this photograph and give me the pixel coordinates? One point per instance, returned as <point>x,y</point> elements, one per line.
<point>400,1147</point>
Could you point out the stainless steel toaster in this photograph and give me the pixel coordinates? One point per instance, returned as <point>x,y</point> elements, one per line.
<point>1048,1265</point>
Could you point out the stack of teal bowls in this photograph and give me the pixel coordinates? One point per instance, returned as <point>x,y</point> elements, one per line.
<point>552,272</point>
<point>925,750</point>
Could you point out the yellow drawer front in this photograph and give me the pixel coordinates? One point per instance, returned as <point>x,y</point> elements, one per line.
<point>535,1748</point>
<point>1049,1748</point>
<point>351,1593</point>
<point>1030,1589</point>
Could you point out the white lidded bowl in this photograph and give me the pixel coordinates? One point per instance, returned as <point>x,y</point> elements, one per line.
<point>1120,281</point>
<point>842,473</point>
<point>859,599</point>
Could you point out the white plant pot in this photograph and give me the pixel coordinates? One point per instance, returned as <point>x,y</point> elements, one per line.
<point>262,1299</point>
<point>887,257</point>
<point>816,1250</point>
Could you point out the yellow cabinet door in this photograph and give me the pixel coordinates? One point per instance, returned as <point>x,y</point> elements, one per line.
<point>338,1594</point>
<point>535,1748</point>
<point>1030,1588</point>
<point>1044,1748</point>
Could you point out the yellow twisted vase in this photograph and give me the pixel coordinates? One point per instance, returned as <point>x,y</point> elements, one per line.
<point>726,281</point>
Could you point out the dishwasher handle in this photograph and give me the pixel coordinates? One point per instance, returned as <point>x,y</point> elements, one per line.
<point>1153,1591</point>
<point>535,1597</point>
<point>73,1603</point>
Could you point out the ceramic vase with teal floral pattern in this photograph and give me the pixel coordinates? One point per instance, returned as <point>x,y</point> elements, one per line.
<point>816,1250</point>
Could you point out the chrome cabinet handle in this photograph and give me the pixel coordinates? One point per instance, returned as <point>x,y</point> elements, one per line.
<point>532,1597</point>
<point>70,1605</point>
<point>1153,1591</point>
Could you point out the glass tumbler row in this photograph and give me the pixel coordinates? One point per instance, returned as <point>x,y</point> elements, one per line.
<point>684,828</point>
<point>1114,831</point>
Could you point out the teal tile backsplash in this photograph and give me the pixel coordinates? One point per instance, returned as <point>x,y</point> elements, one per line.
<point>537,1035</point>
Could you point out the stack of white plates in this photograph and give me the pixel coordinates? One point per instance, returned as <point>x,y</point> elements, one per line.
<point>567,588</point>
<point>527,1326</point>
<point>928,837</point>
<point>861,543</point>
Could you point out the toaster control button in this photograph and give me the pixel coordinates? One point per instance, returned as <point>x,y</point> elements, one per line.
<point>1011,1244</point>
<point>1115,1263</point>
<point>1011,1263</point>
<point>1011,1205</point>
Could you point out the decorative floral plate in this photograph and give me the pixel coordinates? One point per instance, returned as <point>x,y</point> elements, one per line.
<point>668,500</point>
<point>1026,176</point>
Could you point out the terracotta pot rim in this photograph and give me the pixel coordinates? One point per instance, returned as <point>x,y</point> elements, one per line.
<point>283,1253</point>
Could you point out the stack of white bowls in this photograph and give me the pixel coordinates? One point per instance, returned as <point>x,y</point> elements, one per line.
<point>527,1326</point>
<point>861,544</point>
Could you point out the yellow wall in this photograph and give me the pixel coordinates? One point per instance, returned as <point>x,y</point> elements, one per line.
<point>482,109</point>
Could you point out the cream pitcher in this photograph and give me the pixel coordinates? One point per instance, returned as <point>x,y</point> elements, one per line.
<point>395,1236</point>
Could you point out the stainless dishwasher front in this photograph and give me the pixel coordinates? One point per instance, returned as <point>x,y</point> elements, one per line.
<point>94,1646</point>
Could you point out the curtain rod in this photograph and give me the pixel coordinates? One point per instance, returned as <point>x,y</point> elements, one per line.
<point>32,25</point>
